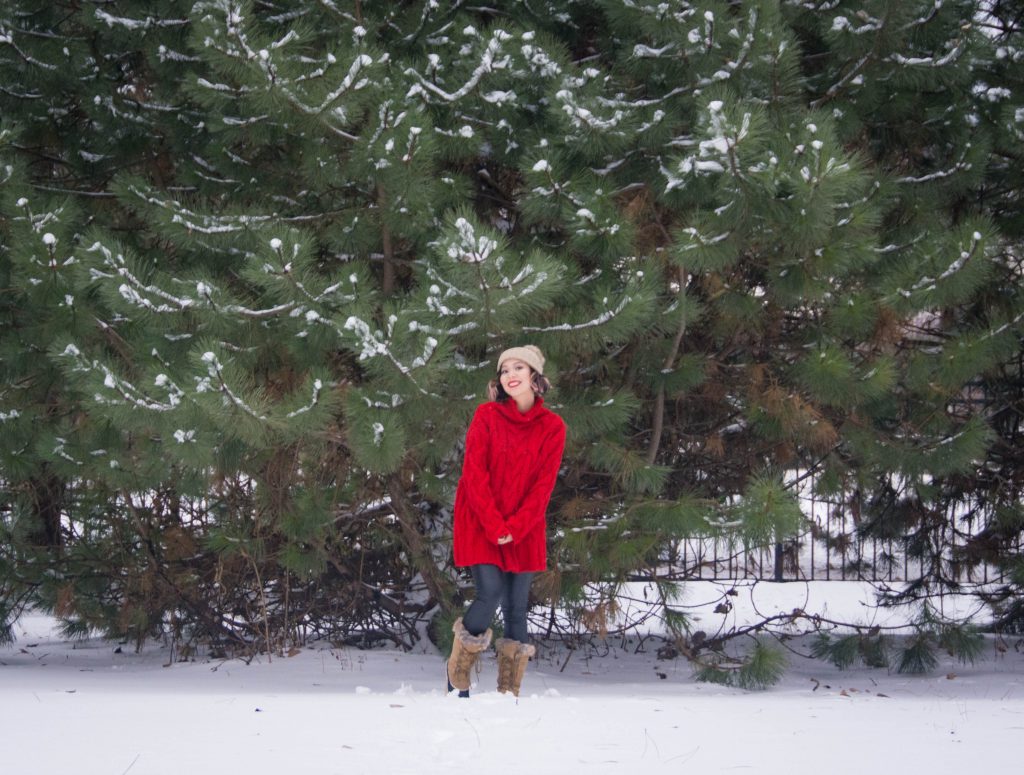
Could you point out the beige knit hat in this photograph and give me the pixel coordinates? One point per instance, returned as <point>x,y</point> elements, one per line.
<point>528,354</point>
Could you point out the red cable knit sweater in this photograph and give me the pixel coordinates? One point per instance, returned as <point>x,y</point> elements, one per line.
<point>511,462</point>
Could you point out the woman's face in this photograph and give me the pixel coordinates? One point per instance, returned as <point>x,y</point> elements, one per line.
<point>515,378</point>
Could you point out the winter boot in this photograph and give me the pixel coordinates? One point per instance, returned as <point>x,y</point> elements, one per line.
<point>506,648</point>
<point>466,647</point>
<point>512,659</point>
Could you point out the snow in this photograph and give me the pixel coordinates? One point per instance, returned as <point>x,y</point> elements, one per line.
<point>488,63</point>
<point>640,51</point>
<point>608,710</point>
<point>601,319</point>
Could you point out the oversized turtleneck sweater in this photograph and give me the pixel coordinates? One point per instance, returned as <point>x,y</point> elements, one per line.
<point>511,462</point>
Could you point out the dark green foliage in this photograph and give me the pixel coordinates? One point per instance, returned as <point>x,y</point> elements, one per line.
<point>914,653</point>
<point>869,647</point>
<point>841,652</point>
<point>962,641</point>
<point>257,262</point>
<point>760,669</point>
<point>918,656</point>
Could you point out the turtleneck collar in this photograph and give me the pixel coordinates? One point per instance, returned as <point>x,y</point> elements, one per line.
<point>510,410</point>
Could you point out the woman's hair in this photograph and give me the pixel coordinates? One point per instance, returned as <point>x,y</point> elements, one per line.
<point>538,382</point>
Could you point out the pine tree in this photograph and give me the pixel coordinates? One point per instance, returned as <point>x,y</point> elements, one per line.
<point>989,493</point>
<point>260,258</point>
<point>286,290</point>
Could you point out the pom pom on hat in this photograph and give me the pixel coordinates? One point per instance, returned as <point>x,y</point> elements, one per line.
<point>528,354</point>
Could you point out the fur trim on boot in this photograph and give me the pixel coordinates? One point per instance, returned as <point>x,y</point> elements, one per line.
<point>466,648</point>
<point>513,657</point>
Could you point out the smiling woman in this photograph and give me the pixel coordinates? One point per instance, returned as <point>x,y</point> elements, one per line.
<point>513,452</point>
<point>520,376</point>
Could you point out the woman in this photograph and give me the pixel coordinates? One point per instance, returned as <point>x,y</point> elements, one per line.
<point>513,452</point>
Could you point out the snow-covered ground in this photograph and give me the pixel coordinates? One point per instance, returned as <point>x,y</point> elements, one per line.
<point>92,708</point>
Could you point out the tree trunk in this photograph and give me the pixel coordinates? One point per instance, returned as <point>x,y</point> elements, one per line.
<point>48,491</point>
<point>658,423</point>
<point>438,584</point>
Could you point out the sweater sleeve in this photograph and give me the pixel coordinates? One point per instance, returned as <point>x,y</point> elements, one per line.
<point>476,480</point>
<point>534,506</point>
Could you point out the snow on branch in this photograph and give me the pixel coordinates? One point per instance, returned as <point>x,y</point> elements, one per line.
<point>450,288</point>
<point>584,118</point>
<point>373,342</point>
<point>1003,328</point>
<point>60,451</point>
<point>129,394</point>
<point>7,36</point>
<point>224,88</point>
<point>528,271</point>
<point>698,240</point>
<point>215,225</point>
<point>930,284</point>
<point>204,224</point>
<point>165,54</point>
<point>137,24</point>
<point>130,290</point>
<point>39,221</point>
<point>715,154</point>
<point>136,292</point>
<point>332,294</point>
<point>932,13</point>
<point>952,56</point>
<point>351,82</point>
<point>556,187</point>
<point>843,24</point>
<point>467,246</point>
<point>748,42</point>
<point>317,388</point>
<point>429,347</point>
<point>662,11</point>
<point>437,306</point>
<point>589,225</point>
<point>263,59</point>
<point>376,344</point>
<point>471,325</point>
<point>825,5</point>
<point>852,76</point>
<point>640,51</point>
<point>601,319</point>
<point>216,372</point>
<point>960,166</point>
<point>489,62</point>
<point>435,302</point>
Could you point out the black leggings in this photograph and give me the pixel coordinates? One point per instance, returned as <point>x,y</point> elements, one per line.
<point>496,587</point>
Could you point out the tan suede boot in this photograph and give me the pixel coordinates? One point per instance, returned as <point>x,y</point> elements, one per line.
<point>512,659</point>
<point>506,648</point>
<point>466,649</point>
